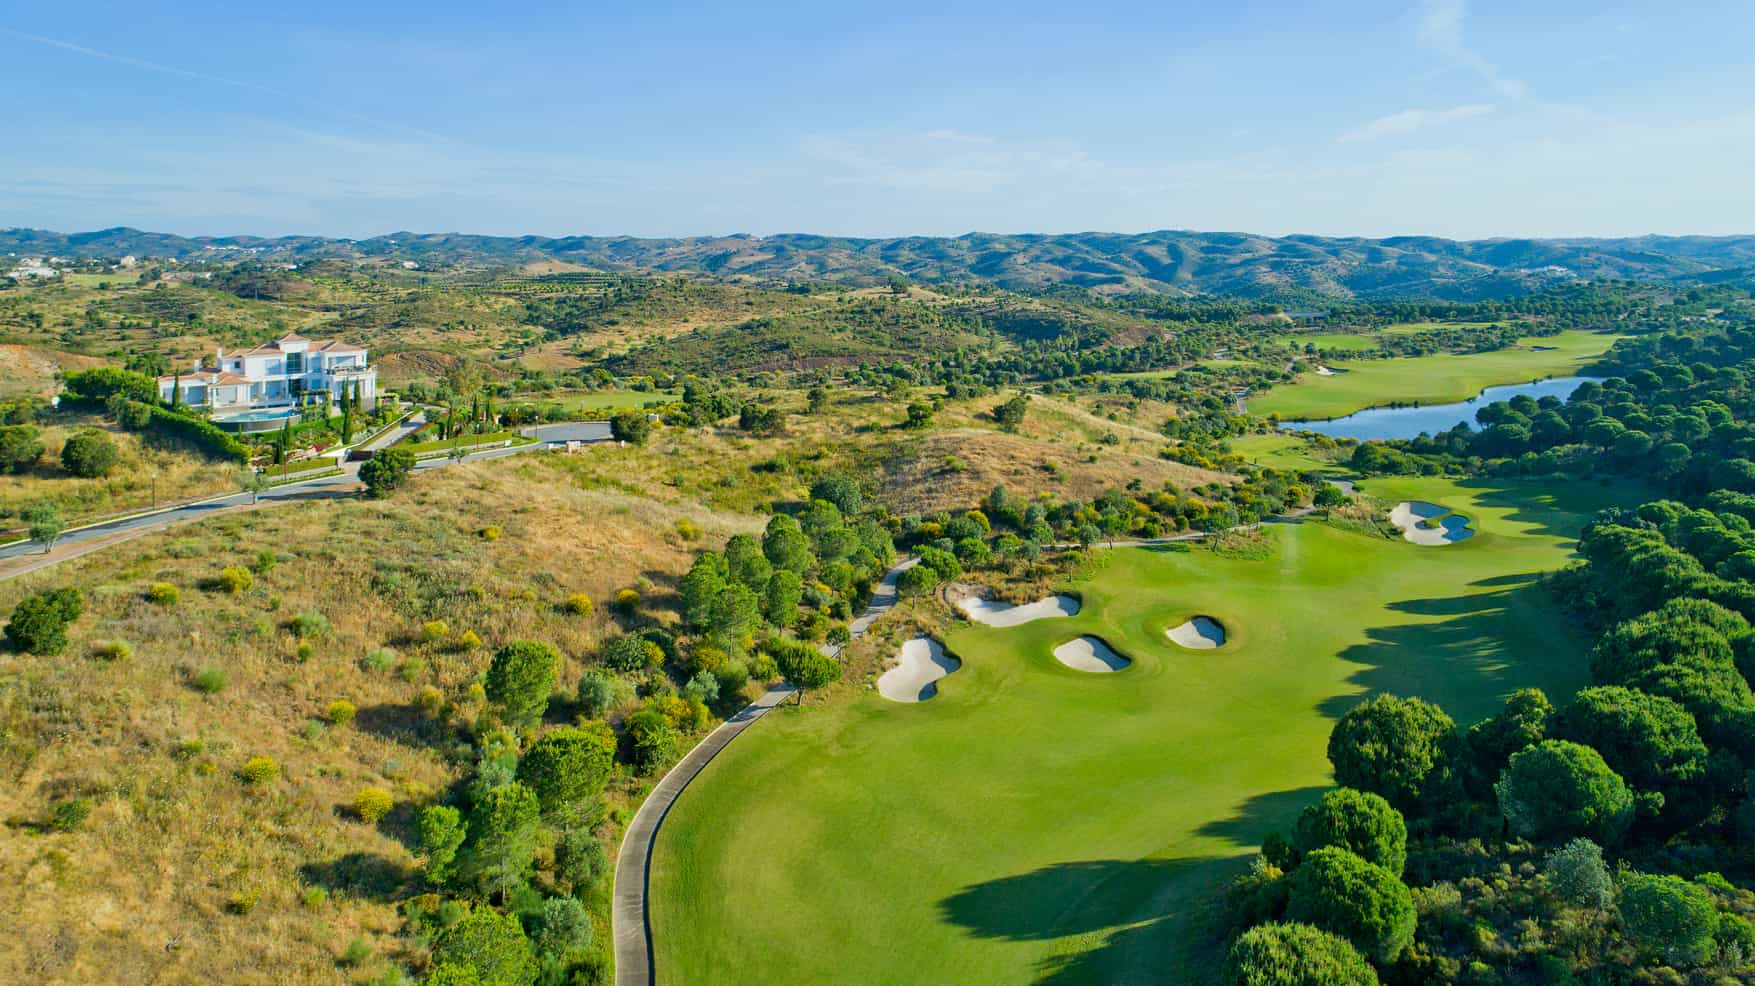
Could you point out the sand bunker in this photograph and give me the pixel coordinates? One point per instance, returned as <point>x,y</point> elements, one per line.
<point>998,614</point>
<point>1090,654</point>
<point>1199,633</point>
<point>1420,523</point>
<point>1323,371</point>
<point>921,663</point>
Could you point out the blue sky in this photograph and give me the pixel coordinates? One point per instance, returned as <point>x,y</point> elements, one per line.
<point>1462,118</point>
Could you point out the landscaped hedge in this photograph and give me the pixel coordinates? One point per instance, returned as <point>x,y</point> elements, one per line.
<point>198,432</point>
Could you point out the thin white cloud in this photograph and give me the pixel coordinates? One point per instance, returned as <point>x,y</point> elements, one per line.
<point>220,80</point>
<point>957,137</point>
<point>1410,120</point>
<point>1441,29</point>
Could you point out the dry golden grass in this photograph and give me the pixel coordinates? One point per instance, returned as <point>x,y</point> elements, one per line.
<point>150,887</point>
<point>129,485</point>
<point>31,371</point>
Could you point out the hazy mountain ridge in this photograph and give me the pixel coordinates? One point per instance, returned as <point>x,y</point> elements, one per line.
<point>1168,260</point>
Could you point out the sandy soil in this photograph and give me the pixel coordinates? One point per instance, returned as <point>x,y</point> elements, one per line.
<point>921,662</point>
<point>1090,654</point>
<point>1199,633</point>
<point>1415,519</point>
<point>998,614</point>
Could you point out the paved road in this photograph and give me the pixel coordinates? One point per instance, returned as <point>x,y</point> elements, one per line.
<point>630,916</point>
<point>28,556</point>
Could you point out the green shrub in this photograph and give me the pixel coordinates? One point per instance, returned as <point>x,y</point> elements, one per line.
<point>687,529</point>
<point>235,579</point>
<point>579,604</point>
<point>596,688</point>
<point>242,902</point>
<point>265,561</point>
<point>314,897</point>
<point>491,532</point>
<point>89,453</point>
<point>469,641</point>
<point>1577,875</point>
<point>1668,917</point>
<point>631,653</point>
<point>1558,790</point>
<point>163,594</point>
<point>68,815</point>
<point>309,625</point>
<point>259,770</point>
<point>304,650</point>
<point>520,679</point>
<point>490,943</point>
<point>356,953</point>
<point>339,712</point>
<point>372,804</point>
<point>382,659</point>
<point>434,631</point>
<point>39,622</point>
<point>386,471</point>
<point>210,679</point>
<point>1358,821</point>
<point>627,600</point>
<point>112,650</point>
<point>1295,955</point>
<point>567,766</point>
<point>1336,890</point>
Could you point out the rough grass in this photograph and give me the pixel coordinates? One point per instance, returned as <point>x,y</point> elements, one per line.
<point>1035,824</point>
<point>1428,379</point>
<point>129,485</point>
<point>182,873</point>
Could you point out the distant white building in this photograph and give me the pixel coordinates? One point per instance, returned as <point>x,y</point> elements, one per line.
<point>33,267</point>
<point>289,372</point>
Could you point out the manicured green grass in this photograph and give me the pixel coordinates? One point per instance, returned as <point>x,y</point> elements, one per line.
<point>1428,379</point>
<point>1409,328</point>
<point>1330,340</point>
<point>1037,824</point>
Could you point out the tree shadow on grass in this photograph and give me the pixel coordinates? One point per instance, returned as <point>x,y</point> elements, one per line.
<point>359,874</point>
<point>1159,918</point>
<point>1467,663</point>
<point>1262,814</point>
<point>401,723</point>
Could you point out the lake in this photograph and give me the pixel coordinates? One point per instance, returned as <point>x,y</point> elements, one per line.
<point>1430,419</point>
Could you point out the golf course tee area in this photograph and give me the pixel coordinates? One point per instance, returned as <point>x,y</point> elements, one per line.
<point>1034,823</point>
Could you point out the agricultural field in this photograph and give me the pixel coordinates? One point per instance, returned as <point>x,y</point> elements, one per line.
<point>1428,379</point>
<point>1034,822</point>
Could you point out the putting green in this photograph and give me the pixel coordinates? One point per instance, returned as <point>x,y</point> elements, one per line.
<point>1038,824</point>
<point>1428,379</point>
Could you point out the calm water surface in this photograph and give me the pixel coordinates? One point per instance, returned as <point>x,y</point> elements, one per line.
<point>1430,419</point>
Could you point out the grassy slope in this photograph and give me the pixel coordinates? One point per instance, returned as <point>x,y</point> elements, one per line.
<point>139,892</point>
<point>1428,379</point>
<point>1034,823</point>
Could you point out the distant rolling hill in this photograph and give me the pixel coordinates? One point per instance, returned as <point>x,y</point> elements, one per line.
<point>1165,261</point>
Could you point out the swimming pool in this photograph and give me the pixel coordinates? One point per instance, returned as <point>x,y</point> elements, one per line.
<point>260,419</point>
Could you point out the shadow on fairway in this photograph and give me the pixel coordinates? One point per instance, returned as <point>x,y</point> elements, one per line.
<point>1163,916</point>
<point>1262,814</point>
<point>1466,663</point>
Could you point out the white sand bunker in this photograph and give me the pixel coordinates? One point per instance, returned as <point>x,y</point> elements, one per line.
<point>998,614</point>
<point>1323,371</point>
<point>1199,633</point>
<point>919,666</point>
<point>1420,523</point>
<point>1090,654</point>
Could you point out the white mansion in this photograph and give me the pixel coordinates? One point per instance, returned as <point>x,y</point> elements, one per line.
<point>288,372</point>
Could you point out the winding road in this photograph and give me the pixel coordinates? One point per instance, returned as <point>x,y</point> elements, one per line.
<point>28,556</point>
<point>630,916</point>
